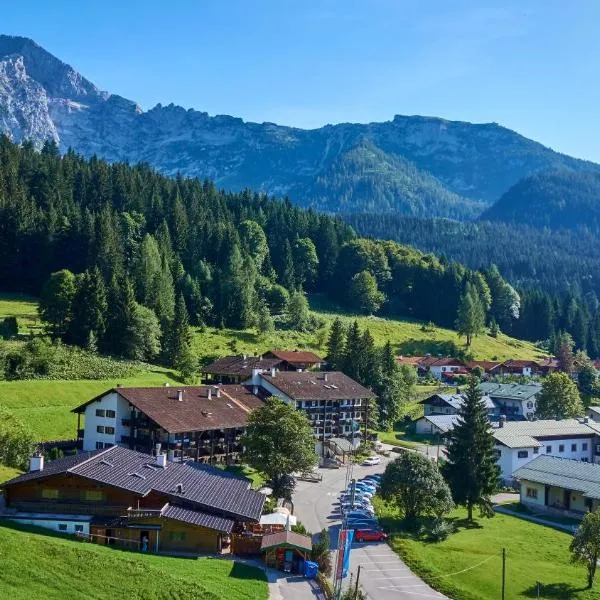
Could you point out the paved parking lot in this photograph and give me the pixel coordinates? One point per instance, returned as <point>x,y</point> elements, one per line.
<point>383,575</point>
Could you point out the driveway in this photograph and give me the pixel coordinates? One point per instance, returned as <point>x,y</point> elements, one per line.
<point>383,575</point>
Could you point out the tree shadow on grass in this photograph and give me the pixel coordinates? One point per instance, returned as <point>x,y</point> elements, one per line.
<point>564,591</point>
<point>241,571</point>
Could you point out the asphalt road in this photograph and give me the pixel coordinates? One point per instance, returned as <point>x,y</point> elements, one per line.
<point>383,575</point>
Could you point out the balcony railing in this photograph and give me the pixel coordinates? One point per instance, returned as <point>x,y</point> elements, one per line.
<point>145,513</point>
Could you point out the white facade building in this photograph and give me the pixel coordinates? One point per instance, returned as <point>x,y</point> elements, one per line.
<point>519,442</point>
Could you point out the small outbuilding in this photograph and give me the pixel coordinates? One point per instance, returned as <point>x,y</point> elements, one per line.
<point>286,550</point>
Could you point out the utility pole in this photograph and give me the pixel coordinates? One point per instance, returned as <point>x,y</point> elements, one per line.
<point>356,586</point>
<point>503,571</point>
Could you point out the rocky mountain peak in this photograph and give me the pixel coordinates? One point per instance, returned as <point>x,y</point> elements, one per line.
<point>57,78</point>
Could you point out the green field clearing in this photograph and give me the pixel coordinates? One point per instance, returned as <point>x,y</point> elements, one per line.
<point>45,405</point>
<point>24,308</point>
<point>533,553</point>
<point>37,566</point>
<point>7,473</point>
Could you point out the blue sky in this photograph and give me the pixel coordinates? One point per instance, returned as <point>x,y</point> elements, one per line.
<point>533,66</point>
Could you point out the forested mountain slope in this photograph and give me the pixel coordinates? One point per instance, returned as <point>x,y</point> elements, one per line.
<point>557,200</point>
<point>414,164</point>
<point>556,261</point>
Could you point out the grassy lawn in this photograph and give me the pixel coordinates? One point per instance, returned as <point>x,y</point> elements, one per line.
<point>24,308</point>
<point>45,405</point>
<point>255,478</point>
<point>36,566</point>
<point>7,473</point>
<point>533,553</point>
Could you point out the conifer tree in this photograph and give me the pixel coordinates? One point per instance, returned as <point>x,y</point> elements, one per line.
<point>389,366</point>
<point>288,277</point>
<point>353,354</point>
<point>179,350</point>
<point>471,469</point>
<point>56,302</point>
<point>89,308</point>
<point>335,345</point>
<point>371,366</point>
<point>119,337</point>
<point>264,320</point>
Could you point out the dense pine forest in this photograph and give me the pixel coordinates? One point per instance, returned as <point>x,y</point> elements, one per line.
<point>125,259</point>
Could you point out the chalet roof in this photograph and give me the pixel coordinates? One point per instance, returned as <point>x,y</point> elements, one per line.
<point>195,411</point>
<point>527,434</point>
<point>519,364</point>
<point>195,517</point>
<point>447,362</point>
<point>444,423</point>
<point>595,409</point>
<point>565,473</point>
<point>295,356</point>
<point>486,365</point>
<point>202,487</point>
<point>415,361</point>
<point>510,391</point>
<point>307,385</point>
<point>548,362</point>
<point>241,365</point>
<point>286,538</point>
<point>457,400</point>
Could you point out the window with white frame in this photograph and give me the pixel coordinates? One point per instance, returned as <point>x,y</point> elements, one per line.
<point>532,493</point>
<point>522,454</point>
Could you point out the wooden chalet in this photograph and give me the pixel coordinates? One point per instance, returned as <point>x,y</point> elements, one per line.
<point>296,360</point>
<point>237,369</point>
<point>121,497</point>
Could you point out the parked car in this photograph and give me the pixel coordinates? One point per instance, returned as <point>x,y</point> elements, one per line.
<point>371,461</point>
<point>357,494</point>
<point>358,510</point>
<point>356,514</point>
<point>375,477</point>
<point>364,487</point>
<point>370,535</point>
<point>348,507</point>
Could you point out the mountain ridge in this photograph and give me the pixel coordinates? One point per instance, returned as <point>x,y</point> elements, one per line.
<point>422,165</point>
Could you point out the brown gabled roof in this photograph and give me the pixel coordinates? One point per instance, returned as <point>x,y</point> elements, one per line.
<point>446,362</point>
<point>240,365</point>
<point>296,356</point>
<point>308,385</point>
<point>410,360</point>
<point>486,365</point>
<point>519,364</point>
<point>286,538</point>
<point>195,411</point>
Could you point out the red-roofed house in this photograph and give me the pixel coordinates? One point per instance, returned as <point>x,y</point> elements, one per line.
<point>296,360</point>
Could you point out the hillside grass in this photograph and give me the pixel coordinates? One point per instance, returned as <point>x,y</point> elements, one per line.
<point>408,337</point>
<point>25,309</point>
<point>45,405</point>
<point>38,566</point>
<point>7,473</point>
<point>533,553</point>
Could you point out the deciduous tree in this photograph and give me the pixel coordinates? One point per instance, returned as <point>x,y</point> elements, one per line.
<point>558,398</point>
<point>585,547</point>
<point>415,483</point>
<point>279,440</point>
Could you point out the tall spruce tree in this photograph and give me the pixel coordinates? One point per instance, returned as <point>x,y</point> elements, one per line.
<point>118,337</point>
<point>89,308</point>
<point>353,353</point>
<point>335,345</point>
<point>179,349</point>
<point>471,468</point>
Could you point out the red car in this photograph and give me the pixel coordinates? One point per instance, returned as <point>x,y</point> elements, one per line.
<point>369,535</point>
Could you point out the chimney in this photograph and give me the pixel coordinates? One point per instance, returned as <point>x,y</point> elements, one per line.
<point>245,356</point>
<point>157,448</point>
<point>273,371</point>
<point>255,390</point>
<point>586,419</point>
<point>119,385</point>
<point>36,462</point>
<point>180,395</point>
<point>171,455</point>
<point>325,377</point>
<point>502,420</point>
<point>161,460</point>
<point>166,384</point>
<point>218,391</point>
<point>209,393</point>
